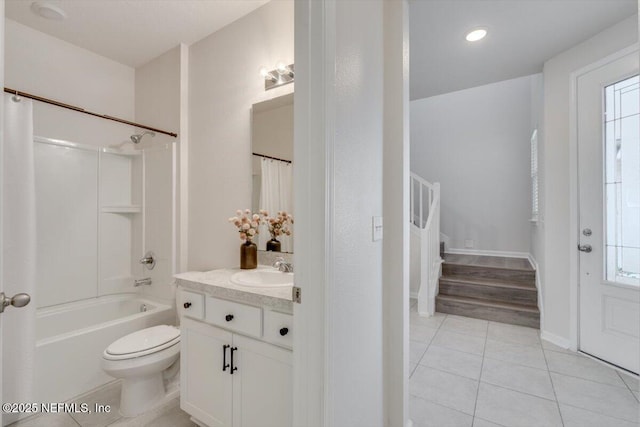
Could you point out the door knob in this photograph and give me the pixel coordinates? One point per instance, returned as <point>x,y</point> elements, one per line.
<point>18,300</point>
<point>585,248</point>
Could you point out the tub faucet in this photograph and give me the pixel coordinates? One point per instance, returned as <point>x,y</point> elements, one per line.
<point>282,265</point>
<point>149,260</point>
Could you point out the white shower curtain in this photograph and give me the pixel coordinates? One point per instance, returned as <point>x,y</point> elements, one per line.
<point>18,251</point>
<point>276,194</point>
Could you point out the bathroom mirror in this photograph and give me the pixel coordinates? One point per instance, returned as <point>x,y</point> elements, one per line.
<point>272,167</point>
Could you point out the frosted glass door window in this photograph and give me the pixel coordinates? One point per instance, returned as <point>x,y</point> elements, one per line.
<point>622,181</point>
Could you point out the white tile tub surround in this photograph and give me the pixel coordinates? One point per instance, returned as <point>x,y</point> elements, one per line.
<point>72,338</point>
<point>488,374</point>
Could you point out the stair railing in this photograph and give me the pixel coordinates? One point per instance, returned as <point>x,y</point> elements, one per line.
<point>425,215</point>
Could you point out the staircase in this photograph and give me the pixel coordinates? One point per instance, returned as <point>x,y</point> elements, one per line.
<point>424,217</point>
<point>490,288</point>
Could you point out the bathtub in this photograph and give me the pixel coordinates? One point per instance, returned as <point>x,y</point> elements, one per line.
<point>71,338</point>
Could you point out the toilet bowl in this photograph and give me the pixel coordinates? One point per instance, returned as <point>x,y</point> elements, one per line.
<point>143,360</point>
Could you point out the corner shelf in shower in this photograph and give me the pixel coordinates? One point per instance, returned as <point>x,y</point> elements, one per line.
<point>125,209</point>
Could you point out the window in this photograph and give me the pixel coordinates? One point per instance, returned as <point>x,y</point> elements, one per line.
<point>622,181</point>
<point>535,206</point>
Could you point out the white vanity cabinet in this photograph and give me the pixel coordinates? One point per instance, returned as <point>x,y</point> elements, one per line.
<point>231,375</point>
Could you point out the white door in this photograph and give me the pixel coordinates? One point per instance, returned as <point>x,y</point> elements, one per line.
<point>609,216</point>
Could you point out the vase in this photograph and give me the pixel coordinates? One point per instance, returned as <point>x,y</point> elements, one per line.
<point>248,256</point>
<point>274,245</point>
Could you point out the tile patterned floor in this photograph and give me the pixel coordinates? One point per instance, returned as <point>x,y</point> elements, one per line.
<point>464,372</point>
<point>168,415</point>
<point>474,373</point>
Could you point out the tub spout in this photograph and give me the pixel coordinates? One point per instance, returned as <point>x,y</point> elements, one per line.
<point>140,282</point>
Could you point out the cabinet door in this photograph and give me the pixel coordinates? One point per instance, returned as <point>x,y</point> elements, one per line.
<point>262,385</point>
<point>205,390</point>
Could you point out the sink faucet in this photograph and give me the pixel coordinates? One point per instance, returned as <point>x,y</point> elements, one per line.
<point>282,265</point>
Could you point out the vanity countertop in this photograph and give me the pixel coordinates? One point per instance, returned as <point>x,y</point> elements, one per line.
<point>218,283</point>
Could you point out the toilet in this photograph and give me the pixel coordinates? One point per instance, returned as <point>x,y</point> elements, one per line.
<point>144,360</point>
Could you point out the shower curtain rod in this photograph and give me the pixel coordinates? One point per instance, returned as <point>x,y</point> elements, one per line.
<point>272,158</point>
<point>82,110</point>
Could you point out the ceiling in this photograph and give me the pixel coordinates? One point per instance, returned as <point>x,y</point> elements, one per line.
<point>523,34</point>
<point>133,32</point>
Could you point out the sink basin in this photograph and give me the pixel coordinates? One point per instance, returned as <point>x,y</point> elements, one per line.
<point>262,278</point>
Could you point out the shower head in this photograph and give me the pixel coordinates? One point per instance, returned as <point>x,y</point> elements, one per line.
<point>137,138</point>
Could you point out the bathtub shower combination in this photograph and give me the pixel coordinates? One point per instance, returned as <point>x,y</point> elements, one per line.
<point>72,337</point>
<point>98,212</point>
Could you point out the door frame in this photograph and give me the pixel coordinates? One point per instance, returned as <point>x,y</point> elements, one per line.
<point>574,199</point>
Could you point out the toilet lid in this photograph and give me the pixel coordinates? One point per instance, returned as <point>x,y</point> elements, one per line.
<point>154,338</point>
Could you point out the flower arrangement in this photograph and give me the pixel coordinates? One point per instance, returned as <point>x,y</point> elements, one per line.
<point>247,224</point>
<point>278,225</point>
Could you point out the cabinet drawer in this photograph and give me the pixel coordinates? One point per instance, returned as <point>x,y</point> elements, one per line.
<point>191,304</point>
<point>245,319</point>
<point>278,328</point>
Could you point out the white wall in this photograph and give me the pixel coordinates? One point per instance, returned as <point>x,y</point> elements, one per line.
<point>158,103</point>
<point>43,65</point>
<point>338,155</point>
<point>356,195</point>
<point>554,245</point>
<point>224,83</point>
<point>475,142</point>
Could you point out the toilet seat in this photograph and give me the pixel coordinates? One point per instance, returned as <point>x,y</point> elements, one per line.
<point>143,342</point>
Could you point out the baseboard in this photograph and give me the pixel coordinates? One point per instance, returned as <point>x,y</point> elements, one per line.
<point>534,263</point>
<point>505,254</point>
<point>556,339</point>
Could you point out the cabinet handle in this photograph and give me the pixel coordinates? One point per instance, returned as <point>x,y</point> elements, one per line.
<point>225,365</point>
<point>233,367</point>
<point>228,317</point>
<point>284,331</point>
<point>186,305</point>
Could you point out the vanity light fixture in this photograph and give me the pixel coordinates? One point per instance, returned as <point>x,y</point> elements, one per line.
<point>267,74</point>
<point>476,35</point>
<point>283,74</point>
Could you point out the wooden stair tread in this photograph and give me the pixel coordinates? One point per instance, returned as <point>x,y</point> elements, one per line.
<point>489,303</point>
<point>489,267</point>
<point>481,281</point>
<point>516,264</point>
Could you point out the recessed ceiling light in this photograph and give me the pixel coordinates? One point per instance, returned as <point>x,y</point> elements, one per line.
<point>48,11</point>
<point>476,35</point>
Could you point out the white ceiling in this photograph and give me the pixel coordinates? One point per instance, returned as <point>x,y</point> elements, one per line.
<point>523,34</point>
<point>133,32</point>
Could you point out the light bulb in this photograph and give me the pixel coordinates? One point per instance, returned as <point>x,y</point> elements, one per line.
<point>476,35</point>
<point>264,72</point>
<point>282,67</point>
